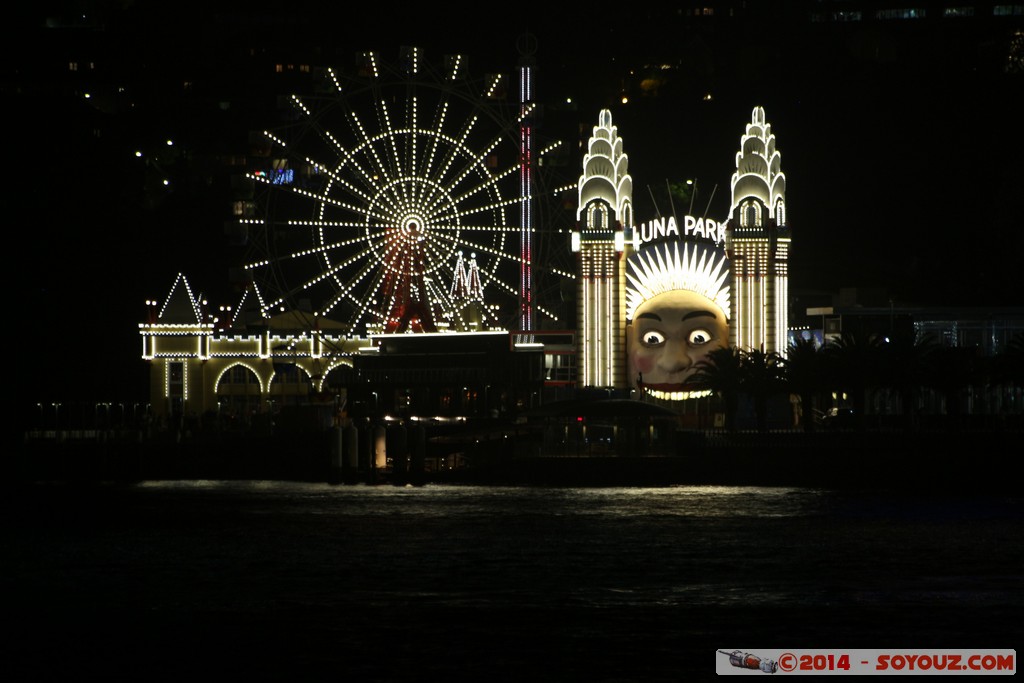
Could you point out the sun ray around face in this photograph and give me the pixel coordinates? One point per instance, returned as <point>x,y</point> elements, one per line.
<point>666,267</point>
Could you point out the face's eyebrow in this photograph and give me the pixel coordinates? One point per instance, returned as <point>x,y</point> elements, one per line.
<point>699,314</point>
<point>650,316</point>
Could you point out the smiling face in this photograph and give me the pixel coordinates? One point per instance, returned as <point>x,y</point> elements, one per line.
<point>671,332</point>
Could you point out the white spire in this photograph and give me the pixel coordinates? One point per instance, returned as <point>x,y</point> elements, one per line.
<point>458,290</point>
<point>759,168</point>
<point>473,284</point>
<point>605,169</point>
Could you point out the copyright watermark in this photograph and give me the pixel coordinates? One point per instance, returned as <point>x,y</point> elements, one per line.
<point>866,662</point>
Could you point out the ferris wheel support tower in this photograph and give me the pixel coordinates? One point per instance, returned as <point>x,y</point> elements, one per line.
<point>526,106</point>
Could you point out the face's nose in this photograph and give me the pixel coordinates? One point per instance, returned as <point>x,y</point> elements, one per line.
<point>675,358</point>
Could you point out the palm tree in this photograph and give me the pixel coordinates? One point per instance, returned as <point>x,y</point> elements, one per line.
<point>851,364</point>
<point>721,371</point>
<point>802,372</point>
<point>1009,366</point>
<point>761,378</point>
<point>905,364</point>
<point>1008,371</point>
<point>953,370</point>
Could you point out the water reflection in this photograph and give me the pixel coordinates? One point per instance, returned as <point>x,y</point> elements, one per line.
<point>304,572</point>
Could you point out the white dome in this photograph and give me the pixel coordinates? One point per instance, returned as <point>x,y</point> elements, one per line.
<point>605,168</point>
<point>758,165</point>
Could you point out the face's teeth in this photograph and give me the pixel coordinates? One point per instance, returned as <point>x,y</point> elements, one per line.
<point>678,395</point>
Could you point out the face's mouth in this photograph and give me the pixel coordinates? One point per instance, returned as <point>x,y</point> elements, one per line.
<point>674,391</point>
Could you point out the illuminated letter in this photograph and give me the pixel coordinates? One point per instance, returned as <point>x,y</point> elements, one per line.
<point>698,229</point>
<point>659,227</point>
<point>711,228</point>
<point>672,228</point>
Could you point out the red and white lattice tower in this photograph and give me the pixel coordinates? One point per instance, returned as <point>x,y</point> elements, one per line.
<point>526,106</point>
<point>404,286</point>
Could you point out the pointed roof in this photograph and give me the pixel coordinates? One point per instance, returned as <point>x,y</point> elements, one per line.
<point>605,168</point>
<point>459,281</point>
<point>758,166</point>
<point>180,307</point>
<point>474,286</point>
<point>250,308</point>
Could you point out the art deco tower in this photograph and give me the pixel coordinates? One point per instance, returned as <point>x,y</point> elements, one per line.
<point>758,241</point>
<point>605,207</point>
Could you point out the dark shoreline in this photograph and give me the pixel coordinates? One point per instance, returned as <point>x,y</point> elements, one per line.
<point>950,460</point>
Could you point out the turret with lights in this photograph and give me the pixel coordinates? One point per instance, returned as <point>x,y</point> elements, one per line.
<point>605,206</point>
<point>758,242</point>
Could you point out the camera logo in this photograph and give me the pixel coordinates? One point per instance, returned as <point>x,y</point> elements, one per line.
<point>744,660</point>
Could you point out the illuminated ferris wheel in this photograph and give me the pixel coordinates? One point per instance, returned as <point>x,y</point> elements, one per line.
<point>392,202</point>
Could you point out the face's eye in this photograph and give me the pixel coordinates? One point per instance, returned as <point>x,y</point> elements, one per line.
<point>652,338</point>
<point>699,337</point>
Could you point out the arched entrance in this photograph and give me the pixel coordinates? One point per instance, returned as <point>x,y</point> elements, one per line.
<point>239,395</point>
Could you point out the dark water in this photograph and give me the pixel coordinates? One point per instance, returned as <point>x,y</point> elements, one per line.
<point>290,581</point>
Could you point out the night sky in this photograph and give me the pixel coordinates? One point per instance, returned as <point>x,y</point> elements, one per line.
<point>897,141</point>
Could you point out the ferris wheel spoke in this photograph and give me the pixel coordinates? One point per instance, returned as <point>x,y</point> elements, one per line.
<point>325,249</point>
<point>439,205</point>
<point>345,293</point>
<point>349,160</point>
<point>412,119</point>
<point>338,180</point>
<point>455,150</point>
<point>324,199</point>
<point>346,158</point>
<point>334,269</point>
<point>488,228</point>
<point>439,251</point>
<point>431,193</point>
<point>476,162</point>
<point>383,211</point>
<point>390,138</point>
<point>325,224</point>
<point>508,287</point>
<point>489,182</point>
<point>392,249</point>
<point>551,316</point>
<point>483,248</point>
<point>459,241</point>
<point>431,202</point>
<point>439,120</point>
<point>367,144</point>
<point>494,206</point>
<point>438,297</point>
